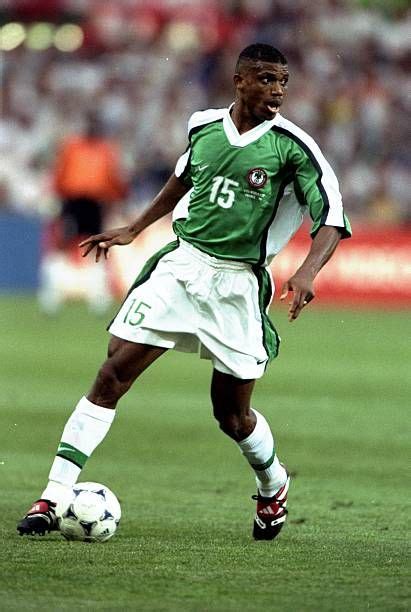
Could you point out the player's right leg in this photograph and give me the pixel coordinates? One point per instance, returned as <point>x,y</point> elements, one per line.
<point>87,427</point>
<point>231,398</point>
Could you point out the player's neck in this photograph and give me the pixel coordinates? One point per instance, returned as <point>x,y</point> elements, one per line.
<point>242,118</point>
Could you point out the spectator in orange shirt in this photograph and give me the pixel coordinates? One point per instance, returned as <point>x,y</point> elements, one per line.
<point>89,181</point>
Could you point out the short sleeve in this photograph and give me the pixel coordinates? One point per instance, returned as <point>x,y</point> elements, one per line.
<point>315,183</point>
<point>316,186</point>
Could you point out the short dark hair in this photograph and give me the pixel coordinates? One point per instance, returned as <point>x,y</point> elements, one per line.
<point>262,52</point>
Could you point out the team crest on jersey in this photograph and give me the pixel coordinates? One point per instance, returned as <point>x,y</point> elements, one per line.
<point>257,177</point>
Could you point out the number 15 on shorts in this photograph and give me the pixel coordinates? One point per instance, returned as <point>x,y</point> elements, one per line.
<point>136,312</point>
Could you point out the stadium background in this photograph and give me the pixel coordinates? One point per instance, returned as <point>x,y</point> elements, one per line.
<point>146,66</point>
<point>338,393</point>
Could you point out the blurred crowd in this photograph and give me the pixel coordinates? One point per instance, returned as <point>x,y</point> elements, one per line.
<point>145,66</point>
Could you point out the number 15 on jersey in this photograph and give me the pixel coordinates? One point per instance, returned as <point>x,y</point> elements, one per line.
<point>222,192</point>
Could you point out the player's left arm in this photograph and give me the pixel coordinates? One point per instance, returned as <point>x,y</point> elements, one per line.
<point>317,188</point>
<point>163,203</point>
<point>302,282</point>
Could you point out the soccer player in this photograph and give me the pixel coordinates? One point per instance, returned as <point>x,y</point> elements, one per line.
<point>238,193</point>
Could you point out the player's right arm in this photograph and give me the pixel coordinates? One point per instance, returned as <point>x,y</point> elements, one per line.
<point>163,203</point>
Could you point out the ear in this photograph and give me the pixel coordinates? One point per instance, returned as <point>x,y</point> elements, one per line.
<point>238,80</point>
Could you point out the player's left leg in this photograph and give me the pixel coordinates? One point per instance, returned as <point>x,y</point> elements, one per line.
<point>231,398</point>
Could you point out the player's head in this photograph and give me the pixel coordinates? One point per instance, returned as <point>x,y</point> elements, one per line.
<point>259,52</point>
<point>261,77</point>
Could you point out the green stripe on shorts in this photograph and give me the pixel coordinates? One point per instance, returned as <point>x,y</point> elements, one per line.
<point>151,264</point>
<point>148,269</point>
<point>271,339</point>
<point>72,454</point>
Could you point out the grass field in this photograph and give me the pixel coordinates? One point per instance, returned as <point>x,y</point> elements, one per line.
<point>337,399</point>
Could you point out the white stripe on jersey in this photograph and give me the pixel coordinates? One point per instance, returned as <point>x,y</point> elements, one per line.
<point>181,209</point>
<point>329,181</point>
<point>182,163</point>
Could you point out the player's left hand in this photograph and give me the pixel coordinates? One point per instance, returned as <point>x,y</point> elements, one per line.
<point>302,287</point>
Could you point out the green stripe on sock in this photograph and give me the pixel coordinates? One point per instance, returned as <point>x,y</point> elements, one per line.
<point>263,466</point>
<point>72,454</point>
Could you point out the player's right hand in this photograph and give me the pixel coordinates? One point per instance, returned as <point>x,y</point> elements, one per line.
<point>104,241</point>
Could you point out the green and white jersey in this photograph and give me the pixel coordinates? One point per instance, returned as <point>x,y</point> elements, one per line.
<point>249,192</point>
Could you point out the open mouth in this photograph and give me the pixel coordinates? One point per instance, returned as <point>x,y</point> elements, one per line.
<point>273,107</point>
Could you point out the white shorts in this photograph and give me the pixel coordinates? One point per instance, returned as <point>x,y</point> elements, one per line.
<point>189,301</point>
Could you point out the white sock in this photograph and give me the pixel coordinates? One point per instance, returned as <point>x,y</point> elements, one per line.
<point>258,449</point>
<point>85,429</point>
<point>50,296</point>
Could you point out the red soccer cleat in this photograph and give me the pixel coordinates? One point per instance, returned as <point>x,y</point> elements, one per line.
<point>40,519</point>
<point>271,514</point>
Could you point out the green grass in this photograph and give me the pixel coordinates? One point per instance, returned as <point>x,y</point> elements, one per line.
<point>337,399</point>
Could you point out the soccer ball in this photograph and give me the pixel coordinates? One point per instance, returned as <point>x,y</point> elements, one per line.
<point>92,513</point>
